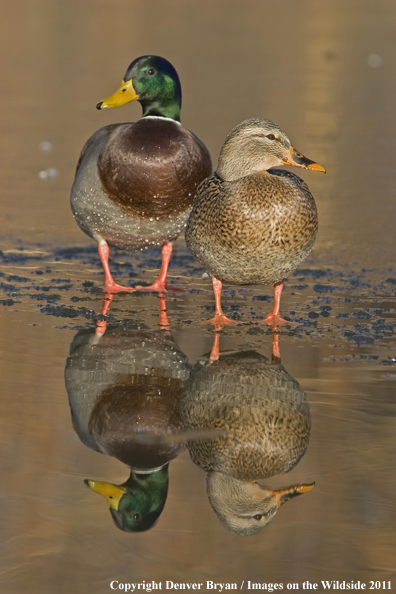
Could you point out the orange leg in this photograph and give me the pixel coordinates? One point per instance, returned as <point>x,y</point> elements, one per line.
<point>274,319</point>
<point>101,325</point>
<point>164,320</point>
<point>160,284</point>
<point>215,352</point>
<point>110,285</point>
<point>219,320</point>
<point>276,354</point>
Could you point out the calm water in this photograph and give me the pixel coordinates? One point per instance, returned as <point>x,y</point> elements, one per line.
<point>325,72</point>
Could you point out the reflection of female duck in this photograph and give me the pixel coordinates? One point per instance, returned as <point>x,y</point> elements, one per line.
<point>124,392</point>
<point>264,421</point>
<point>135,182</point>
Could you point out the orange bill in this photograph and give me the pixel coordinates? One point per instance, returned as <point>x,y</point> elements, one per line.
<point>298,160</point>
<point>282,495</point>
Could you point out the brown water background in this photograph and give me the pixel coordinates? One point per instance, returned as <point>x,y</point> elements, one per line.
<point>325,71</point>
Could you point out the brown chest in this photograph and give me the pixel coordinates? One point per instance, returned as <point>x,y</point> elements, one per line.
<point>152,167</point>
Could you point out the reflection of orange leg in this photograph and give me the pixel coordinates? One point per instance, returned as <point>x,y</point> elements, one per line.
<point>164,320</point>
<point>274,319</point>
<point>110,285</point>
<point>101,325</point>
<point>160,284</point>
<point>276,354</point>
<point>219,320</point>
<point>215,352</point>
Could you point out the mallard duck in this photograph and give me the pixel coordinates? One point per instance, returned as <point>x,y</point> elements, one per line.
<point>124,390</point>
<point>252,224</point>
<point>136,505</point>
<point>135,182</point>
<point>264,423</point>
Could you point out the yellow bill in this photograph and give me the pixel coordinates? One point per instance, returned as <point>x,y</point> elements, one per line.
<point>124,94</point>
<point>112,493</point>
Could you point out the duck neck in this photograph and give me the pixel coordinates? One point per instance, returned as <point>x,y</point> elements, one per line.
<point>153,483</point>
<point>165,109</point>
<point>233,165</point>
<point>240,157</point>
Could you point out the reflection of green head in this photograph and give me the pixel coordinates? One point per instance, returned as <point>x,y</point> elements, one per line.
<point>136,504</point>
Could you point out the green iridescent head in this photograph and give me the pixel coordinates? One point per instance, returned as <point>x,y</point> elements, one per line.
<point>136,505</point>
<point>153,82</point>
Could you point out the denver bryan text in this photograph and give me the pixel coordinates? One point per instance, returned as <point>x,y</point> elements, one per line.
<point>169,585</point>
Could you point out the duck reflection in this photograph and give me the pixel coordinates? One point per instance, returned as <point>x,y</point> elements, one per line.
<point>265,423</point>
<point>124,388</point>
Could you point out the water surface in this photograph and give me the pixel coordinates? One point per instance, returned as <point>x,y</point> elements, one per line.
<point>325,73</point>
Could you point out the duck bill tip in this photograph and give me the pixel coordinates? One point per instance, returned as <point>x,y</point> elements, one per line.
<point>123,95</point>
<point>283,495</point>
<point>316,167</point>
<point>297,159</point>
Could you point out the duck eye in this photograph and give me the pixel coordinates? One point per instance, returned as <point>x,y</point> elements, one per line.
<point>258,516</point>
<point>136,516</point>
<point>271,136</point>
<point>151,71</point>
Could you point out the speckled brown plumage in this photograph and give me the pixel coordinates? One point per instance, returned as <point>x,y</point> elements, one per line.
<point>254,230</point>
<point>263,422</point>
<point>259,409</point>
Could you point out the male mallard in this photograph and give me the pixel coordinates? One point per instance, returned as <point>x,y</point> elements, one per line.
<point>124,389</point>
<point>135,182</point>
<point>251,224</point>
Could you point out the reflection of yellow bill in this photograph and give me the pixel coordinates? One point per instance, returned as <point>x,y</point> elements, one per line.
<point>124,94</point>
<point>112,493</point>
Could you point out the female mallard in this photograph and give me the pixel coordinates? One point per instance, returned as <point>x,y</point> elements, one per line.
<point>263,425</point>
<point>135,182</point>
<point>251,224</point>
